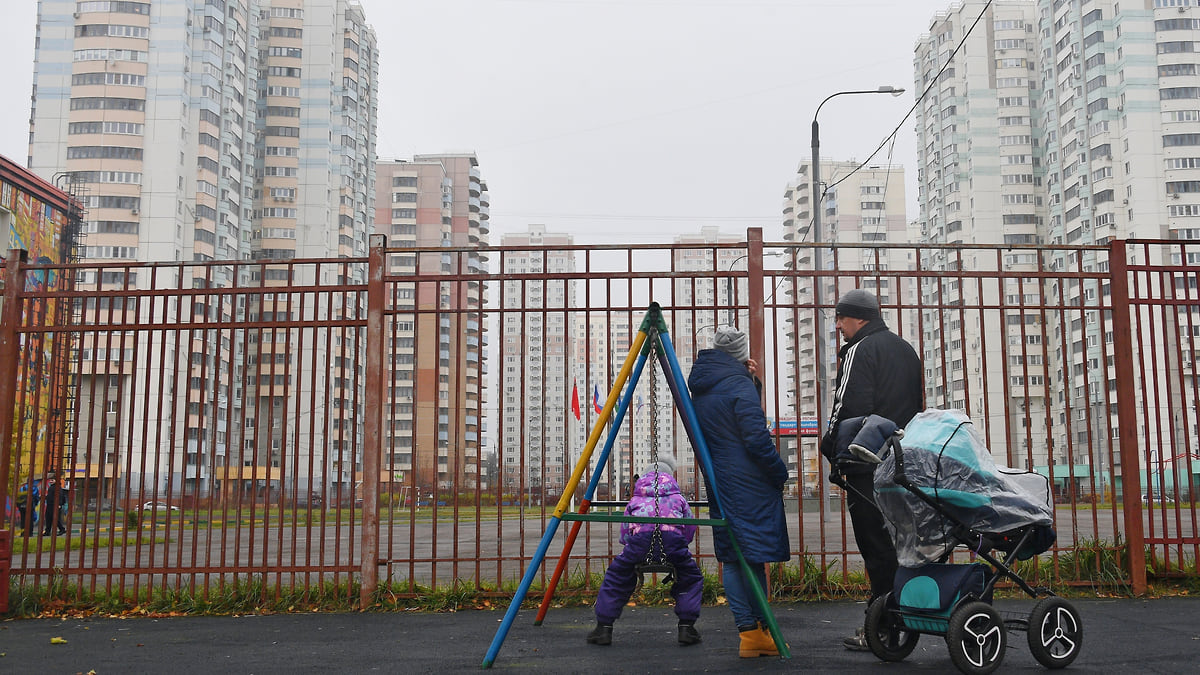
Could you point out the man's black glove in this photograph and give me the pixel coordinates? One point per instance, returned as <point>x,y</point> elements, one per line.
<point>829,444</point>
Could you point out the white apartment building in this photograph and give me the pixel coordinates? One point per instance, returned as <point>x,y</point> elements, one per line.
<point>861,205</point>
<point>1066,123</point>
<point>709,302</point>
<point>540,439</point>
<point>981,178</point>
<point>207,131</point>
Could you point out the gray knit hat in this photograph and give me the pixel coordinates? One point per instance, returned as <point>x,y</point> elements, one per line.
<point>858,304</point>
<point>665,464</point>
<point>733,342</point>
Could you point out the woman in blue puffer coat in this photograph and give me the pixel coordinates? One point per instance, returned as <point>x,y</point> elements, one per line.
<point>749,476</point>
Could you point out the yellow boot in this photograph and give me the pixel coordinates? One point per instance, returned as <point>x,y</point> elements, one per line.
<point>756,641</point>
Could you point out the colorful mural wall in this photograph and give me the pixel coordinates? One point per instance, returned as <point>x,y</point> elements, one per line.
<point>38,215</point>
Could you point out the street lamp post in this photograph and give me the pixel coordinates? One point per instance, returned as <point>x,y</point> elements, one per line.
<point>816,198</point>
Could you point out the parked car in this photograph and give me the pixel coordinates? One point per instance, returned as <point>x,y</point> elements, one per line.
<point>1158,499</point>
<point>314,499</point>
<point>158,506</point>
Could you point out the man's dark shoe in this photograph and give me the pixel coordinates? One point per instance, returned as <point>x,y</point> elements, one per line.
<point>857,642</point>
<point>600,635</point>
<point>688,635</point>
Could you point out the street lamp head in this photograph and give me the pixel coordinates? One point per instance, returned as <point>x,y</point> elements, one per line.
<point>889,89</point>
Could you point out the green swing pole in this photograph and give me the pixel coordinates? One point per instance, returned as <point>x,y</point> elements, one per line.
<point>684,401</point>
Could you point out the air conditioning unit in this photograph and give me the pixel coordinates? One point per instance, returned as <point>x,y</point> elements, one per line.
<point>134,211</point>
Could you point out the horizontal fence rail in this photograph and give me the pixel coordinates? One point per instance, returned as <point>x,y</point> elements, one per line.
<point>409,420</point>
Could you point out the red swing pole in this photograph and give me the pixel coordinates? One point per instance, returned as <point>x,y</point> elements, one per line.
<point>601,463</point>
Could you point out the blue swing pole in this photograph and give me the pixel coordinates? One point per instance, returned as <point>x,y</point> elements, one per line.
<point>563,503</point>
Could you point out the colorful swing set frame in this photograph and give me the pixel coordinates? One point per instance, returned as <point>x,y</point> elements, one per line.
<point>651,333</point>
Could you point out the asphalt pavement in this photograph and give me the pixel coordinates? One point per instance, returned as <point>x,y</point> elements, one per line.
<point>1120,636</point>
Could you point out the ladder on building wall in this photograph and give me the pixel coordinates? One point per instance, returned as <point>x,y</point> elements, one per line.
<point>652,337</point>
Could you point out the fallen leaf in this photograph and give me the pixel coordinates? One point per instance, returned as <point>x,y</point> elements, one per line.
<point>58,641</point>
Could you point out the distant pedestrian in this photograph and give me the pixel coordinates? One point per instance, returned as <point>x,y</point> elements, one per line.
<point>655,495</point>
<point>51,496</point>
<point>28,498</point>
<point>64,504</point>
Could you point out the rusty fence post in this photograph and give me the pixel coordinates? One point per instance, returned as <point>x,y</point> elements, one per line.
<point>1131,486</point>
<point>10,319</point>
<point>373,404</point>
<point>754,294</point>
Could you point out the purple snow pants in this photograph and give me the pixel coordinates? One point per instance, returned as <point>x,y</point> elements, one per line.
<point>621,578</point>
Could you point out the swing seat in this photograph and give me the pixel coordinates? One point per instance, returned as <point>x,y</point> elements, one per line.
<point>642,569</point>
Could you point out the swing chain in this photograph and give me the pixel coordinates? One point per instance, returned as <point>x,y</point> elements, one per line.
<point>656,543</point>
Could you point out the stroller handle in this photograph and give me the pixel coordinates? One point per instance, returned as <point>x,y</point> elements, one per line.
<point>893,442</point>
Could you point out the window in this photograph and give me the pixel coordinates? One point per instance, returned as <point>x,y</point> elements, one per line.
<point>116,6</point>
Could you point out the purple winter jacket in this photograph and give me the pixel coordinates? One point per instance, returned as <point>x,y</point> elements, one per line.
<point>669,504</point>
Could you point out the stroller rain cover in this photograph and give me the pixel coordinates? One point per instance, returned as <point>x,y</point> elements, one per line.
<point>946,459</point>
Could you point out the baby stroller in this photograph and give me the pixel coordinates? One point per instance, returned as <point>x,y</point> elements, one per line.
<point>940,490</point>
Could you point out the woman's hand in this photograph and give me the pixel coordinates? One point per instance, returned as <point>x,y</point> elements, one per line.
<point>752,366</point>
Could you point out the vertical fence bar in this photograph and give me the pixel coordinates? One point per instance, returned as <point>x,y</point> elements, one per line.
<point>754,294</point>
<point>1131,488</point>
<point>373,408</point>
<point>14,284</point>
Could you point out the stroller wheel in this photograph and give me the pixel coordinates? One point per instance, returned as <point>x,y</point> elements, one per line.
<point>1055,632</point>
<point>885,632</point>
<point>976,638</point>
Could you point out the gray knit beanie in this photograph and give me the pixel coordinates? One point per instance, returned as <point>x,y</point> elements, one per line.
<point>858,304</point>
<point>733,342</point>
<point>665,464</point>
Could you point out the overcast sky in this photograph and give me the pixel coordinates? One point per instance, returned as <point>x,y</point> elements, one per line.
<point>618,120</point>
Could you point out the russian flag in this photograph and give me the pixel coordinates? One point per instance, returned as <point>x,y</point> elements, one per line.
<point>596,398</point>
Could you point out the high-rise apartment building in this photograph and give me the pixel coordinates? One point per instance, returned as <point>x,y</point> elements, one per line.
<point>208,131</point>
<point>1067,123</point>
<point>539,445</point>
<point>711,302</point>
<point>859,205</point>
<point>981,177</point>
<point>1121,109</point>
<point>439,358</point>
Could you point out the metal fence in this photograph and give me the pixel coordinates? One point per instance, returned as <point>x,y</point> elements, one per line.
<point>412,418</point>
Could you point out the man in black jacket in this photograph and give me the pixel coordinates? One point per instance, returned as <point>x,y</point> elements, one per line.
<point>879,373</point>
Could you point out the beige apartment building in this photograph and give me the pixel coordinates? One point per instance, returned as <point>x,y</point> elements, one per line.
<point>438,347</point>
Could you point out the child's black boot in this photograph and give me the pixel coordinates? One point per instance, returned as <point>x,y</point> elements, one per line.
<point>600,635</point>
<point>688,635</point>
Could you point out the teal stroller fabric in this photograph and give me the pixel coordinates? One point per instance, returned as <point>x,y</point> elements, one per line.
<point>946,459</point>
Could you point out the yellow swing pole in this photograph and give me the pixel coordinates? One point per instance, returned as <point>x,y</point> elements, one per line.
<point>614,395</point>
<point>586,504</point>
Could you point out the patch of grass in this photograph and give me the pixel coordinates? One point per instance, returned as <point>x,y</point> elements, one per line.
<point>75,542</point>
<point>1088,569</point>
<point>806,579</point>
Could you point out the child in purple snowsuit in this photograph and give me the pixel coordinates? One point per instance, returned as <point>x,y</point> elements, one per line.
<point>655,494</point>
